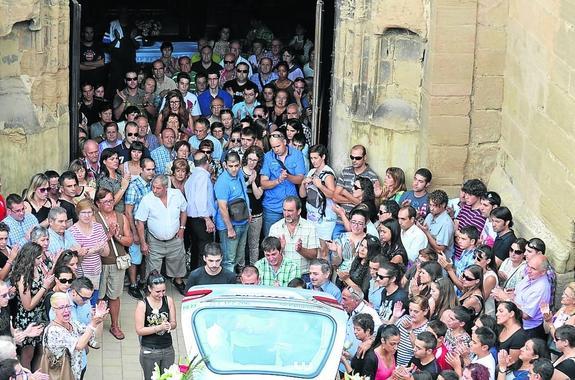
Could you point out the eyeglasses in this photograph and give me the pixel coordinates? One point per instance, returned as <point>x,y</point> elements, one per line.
<point>467,277</point>
<point>129,79</point>
<point>174,102</point>
<point>381,277</point>
<point>43,189</point>
<point>241,71</point>
<point>235,140</point>
<point>258,116</point>
<point>66,280</point>
<point>131,134</point>
<point>356,223</point>
<point>516,251</point>
<point>228,62</point>
<point>84,298</point>
<point>65,307</point>
<point>355,158</point>
<point>381,212</point>
<point>107,201</point>
<point>355,187</point>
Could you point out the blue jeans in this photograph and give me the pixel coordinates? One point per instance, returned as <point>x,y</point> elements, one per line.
<point>233,248</point>
<point>270,217</point>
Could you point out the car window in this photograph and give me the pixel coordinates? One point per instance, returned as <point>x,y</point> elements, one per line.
<point>237,340</point>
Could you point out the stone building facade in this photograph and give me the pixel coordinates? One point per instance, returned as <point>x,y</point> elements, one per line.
<point>468,88</point>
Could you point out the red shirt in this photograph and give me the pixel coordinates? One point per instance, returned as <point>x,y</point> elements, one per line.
<point>2,208</point>
<point>440,354</point>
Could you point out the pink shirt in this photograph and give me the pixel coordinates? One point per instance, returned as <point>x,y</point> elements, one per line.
<point>91,264</point>
<point>383,373</point>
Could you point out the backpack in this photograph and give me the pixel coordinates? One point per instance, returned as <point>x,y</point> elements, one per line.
<point>316,197</point>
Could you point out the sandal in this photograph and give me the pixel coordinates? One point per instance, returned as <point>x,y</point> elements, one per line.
<point>116,332</point>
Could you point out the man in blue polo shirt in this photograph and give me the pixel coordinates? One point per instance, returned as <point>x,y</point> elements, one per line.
<point>283,169</point>
<point>202,128</point>
<point>213,91</point>
<point>233,211</point>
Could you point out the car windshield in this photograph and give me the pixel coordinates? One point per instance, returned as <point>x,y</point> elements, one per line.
<point>281,342</point>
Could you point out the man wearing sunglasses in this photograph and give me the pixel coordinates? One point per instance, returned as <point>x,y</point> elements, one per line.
<point>343,193</point>
<point>130,135</point>
<point>236,86</point>
<point>131,95</point>
<point>388,278</point>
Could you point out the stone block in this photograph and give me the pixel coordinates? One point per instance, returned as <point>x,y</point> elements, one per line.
<point>485,126</point>
<point>481,160</point>
<point>560,145</point>
<point>489,62</point>
<point>453,39</point>
<point>488,93</point>
<point>408,76</point>
<point>449,74</point>
<point>454,15</point>
<point>448,130</point>
<point>491,38</point>
<point>397,114</point>
<point>446,105</point>
<point>409,14</point>
<point>493,12</point>
<point>560,107</point>
<point>512,138</point>
<point>408,48</point>
<point>447,163</point>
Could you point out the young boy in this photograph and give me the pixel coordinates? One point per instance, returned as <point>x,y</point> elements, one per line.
<point>466,239</point>
<point>439,329</point>
<point>482,340</point>
<point>423,358</point>
<point>418,197</point>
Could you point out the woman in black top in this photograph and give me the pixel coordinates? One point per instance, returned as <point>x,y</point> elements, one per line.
<point>565,341</point>
<point>358,274</point>
<point>367,366</point>
<point>511,335</point>
<point>391,244</point>
<point>155,320</point>
<point>251,165</point>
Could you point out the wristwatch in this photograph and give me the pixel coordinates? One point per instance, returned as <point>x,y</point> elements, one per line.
<point>182,227</point>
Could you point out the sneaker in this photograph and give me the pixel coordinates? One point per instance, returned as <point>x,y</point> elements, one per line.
<point>181,287</point>
<point>135,292</point>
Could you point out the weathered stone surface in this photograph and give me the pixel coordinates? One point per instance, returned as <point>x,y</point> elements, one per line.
<point>14,11</point>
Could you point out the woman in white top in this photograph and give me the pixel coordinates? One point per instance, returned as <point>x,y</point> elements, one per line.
<point>512,269</point>
<point>133,166</point>
<point>484,257</point>
<point>318,187</point>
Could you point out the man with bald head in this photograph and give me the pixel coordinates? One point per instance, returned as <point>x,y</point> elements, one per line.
<point>91,153</point>
<point>530,293</point>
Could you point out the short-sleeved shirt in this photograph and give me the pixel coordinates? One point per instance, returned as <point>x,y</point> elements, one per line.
<point>469,217</point>
<point>60,242</point>
<point>515,341</point>
<point>329,288</point>
<point>162,156</point>
<point>387,303</point>
<point>347,179</point>
<point>502,244</point>
<point>272,168</point>
<point>199,276</point>
<point>205,100</point>
<point>136,100</point>
<point>70,210</point>
<point>91,264</point>
<point>228,188</point>
<point>305,231</point>
<point>442,229</point>
<point>136,191</point>
<point>214,68</point>
<point>420,204</point>
<point>287,271</point>
<point>19,229</point>
<point>238,89</point>
<point>166,84</point>
<point>218,150</point>
<point>529,294</point>
<point>163,221</point>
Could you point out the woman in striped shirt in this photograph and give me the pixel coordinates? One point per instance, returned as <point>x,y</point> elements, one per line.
<point>91,236</point>
<point>409,325</point>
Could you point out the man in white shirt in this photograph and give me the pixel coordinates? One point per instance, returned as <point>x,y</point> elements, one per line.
<point>164,212</point>
<point>413,238</point>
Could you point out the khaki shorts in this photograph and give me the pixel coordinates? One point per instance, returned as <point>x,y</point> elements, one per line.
<point>111,282</point>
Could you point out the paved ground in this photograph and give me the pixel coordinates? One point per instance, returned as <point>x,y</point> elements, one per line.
<point>119,359</point>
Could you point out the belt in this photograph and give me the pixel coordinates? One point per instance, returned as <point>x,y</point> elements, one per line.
<point>163,241</point>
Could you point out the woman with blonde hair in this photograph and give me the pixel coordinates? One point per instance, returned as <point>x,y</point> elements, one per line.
<point>92,237</point>
<point>36,200</point>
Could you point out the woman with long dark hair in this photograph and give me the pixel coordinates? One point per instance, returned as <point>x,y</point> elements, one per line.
<point>174,105</point>
<point>358,275</point>
<point>443,295</point>
<point>251,165</point>
<point>393,184</point>
<point>391,245</point>
<point>511,334</point>
<point>533,349</point>
<point>32,282</point>
<point>385,348</point>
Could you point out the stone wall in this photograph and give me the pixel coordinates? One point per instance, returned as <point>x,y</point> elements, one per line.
<point>34,121</point>
<point>469,89</point>
<point>535,170</point>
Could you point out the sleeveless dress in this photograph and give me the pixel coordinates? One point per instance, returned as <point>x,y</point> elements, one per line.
<point>383,373</point>
<point>42,213</point>
<point>38,314</point>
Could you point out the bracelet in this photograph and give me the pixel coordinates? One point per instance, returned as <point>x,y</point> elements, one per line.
<point>9,262</point>
<point>504,370</point>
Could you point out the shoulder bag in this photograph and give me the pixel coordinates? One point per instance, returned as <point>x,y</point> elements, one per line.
<point>122,262</point>
<point>56,368</point>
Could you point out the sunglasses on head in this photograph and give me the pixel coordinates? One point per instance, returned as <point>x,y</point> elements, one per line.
<point>158,280</point>
<point>534,246</point>
<point>355,158</point>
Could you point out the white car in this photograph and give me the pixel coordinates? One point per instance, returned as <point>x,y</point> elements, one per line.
<point>261,332</point>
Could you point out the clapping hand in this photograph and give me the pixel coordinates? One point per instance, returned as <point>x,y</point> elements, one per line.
<point>547,315</point>
<point>504,360</point>
<point>101,310</point>
<point>398,310</point>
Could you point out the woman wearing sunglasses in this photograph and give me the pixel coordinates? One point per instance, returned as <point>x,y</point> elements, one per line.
<point>512,270</point>
<point>155,320</point>
<point>36,199</point>
<point>63,277</point>
<point>485,258</point>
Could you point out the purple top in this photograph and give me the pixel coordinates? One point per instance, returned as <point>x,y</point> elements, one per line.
<point>529,294</point>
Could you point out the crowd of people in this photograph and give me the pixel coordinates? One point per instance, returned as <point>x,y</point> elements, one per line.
<point>221,185</point>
